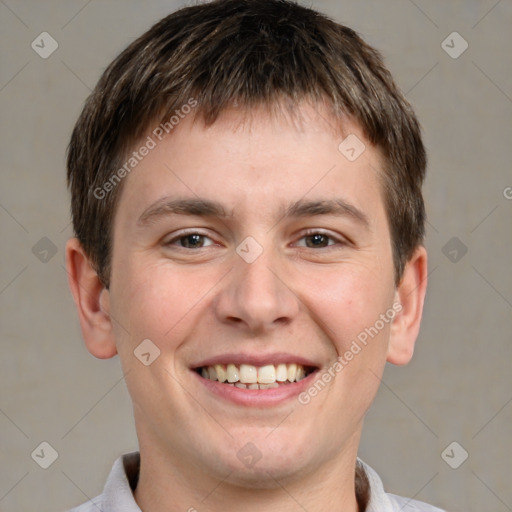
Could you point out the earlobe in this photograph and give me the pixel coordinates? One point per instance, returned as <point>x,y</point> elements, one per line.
<point>410,294</point>
<point>92,302</point>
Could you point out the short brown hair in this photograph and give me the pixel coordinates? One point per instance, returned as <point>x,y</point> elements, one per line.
<point>252,52</point>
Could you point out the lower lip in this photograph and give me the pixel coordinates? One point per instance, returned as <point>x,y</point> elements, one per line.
<point>257,397</point>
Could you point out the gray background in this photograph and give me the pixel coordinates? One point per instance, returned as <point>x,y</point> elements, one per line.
<point>458,387</point>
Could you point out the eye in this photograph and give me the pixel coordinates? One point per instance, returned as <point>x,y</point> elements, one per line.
<point>191,240</point>
<point>317,239</point>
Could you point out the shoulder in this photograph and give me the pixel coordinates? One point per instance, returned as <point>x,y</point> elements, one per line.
<point>91,506</point>
<point>381,501</point>
<point>117,495</point>
<point>408,505</point>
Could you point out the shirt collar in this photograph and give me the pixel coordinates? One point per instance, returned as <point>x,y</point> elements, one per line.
<point>379,500</point>
<point>118,493</point>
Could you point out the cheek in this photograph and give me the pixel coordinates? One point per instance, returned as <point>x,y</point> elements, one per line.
<point>159,303</point>
<point>347,302</point>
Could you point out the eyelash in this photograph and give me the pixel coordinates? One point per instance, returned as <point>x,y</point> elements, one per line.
<point>307,234</point>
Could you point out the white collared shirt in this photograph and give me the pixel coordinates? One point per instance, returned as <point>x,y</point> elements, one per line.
<point>117,495</point>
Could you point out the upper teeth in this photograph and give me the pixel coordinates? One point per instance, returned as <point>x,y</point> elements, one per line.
<point>249,374</point>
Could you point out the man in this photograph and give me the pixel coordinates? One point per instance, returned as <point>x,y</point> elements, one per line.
<point>246,197</point>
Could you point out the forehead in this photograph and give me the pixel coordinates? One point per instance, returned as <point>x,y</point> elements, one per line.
<point>256,160</point>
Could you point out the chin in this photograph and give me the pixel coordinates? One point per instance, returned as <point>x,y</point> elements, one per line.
<point>265,474</point>
<point>261,463</point>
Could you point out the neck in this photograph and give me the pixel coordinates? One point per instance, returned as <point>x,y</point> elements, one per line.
<point>167,484</point>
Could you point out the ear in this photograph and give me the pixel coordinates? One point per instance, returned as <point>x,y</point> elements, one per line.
<point>92,301</point>
<point>410,294</point>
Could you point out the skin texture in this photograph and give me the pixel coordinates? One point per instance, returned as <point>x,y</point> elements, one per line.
<point>197,303</point>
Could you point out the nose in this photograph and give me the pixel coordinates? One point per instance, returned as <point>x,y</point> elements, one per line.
<point>256,295</point>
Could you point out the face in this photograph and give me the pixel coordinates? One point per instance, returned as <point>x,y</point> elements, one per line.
<point>239,251</point>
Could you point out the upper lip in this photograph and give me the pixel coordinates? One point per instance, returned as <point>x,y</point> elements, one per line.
<point>256,359</point>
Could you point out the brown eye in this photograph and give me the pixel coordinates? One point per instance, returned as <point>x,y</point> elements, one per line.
<point>317,240</point>
<point>191,241</point>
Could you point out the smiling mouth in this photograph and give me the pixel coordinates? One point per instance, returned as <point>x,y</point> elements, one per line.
<point>247,376</point>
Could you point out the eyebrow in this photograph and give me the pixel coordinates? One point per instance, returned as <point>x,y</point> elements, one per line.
<point>207,208</point>
<point>181,206</point>
<point>338,207</point>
